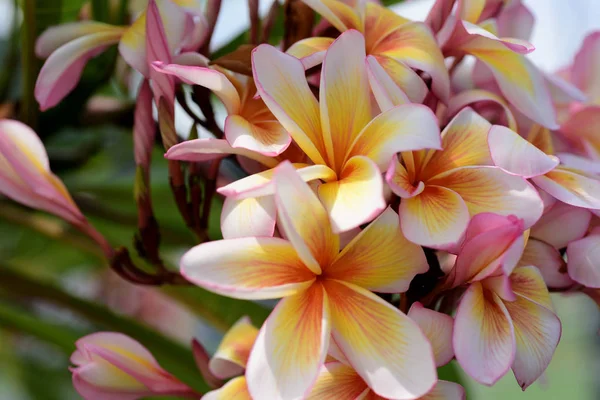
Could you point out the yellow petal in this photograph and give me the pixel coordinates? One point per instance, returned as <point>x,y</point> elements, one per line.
<point>340,15</point>
<point>337,381</point>
<point>344,96</point>
<point>437,217</point>
<point>384,346</point>
<point>380,258</point>
<point>312,237</point>
<point>310,51</point>
<point>356,197</point>
<point>235,389</point>
<point>291,347</point>
<point>232,354</point>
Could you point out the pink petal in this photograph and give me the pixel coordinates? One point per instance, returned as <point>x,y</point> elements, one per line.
<point>144,128</point>
<point>582,261</point>
<point>484,338</point>
<point>561,225</point>
<point>550,263</point>
<point>516,155</point>
<point>438,328</point>
<point>59,35</point>
<point>63,68</point>
<point>468,97</point>
<point>386,92</point>
<point>586,65</point>
<point>254,216</point>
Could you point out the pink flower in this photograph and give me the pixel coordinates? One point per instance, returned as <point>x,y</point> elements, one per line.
<point>113,366</point>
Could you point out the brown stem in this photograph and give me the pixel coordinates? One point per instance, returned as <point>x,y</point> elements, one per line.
<point>210,187</point>
<point>254,21</point>
<point>213,7</point>
<point>269,22</point>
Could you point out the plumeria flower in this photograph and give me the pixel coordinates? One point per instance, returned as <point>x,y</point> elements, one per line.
<point>575,181</point>
<point>110,365</point>
<point>468,32</point>
<point>326,297</point>
<point>249,123</point>
<point>505,318</point>
<point>399,45</point>
<point>70,46</point>
<point>583,117</point>
<point>348,147</point>
<point>582,260</point>
<point>442,190</point>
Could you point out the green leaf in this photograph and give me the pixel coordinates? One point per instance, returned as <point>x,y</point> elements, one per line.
<point>172,356</point>
<point>450,372</point>
<point>12,317</point>
<point>219,311</point>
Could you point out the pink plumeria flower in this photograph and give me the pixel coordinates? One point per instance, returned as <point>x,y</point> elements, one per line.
<point>326,294</point>
<point>249,123</point>
<point>505,318</point>
<point>582,260</point>
<point>25,174</point>
<point>110,365</point>
<point>70,46</point>
<point>339,381</point>
<point>582,120</point>
<point>397,44</point>
<point>575,181</point>
<point>442,190</point>
<point>469,32</point>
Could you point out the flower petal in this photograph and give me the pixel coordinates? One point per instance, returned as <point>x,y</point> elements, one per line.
<point>537,332</point>
<point>247,268</point>
<point>403,128</point>
<point>586,65</point>
<point>310,51</point>
<point>519,80</point>
<point>380,258</point>
<point>262,184</point>
<point>265,137</point>
<point>254,216</point>
<point>489,189</point>
<point>516,155</point>
<point>437,327</point>
<point>413,44</point>
<point>445,390</point>
<point>344,96</point>
<point>198,150</point>
<point>337,381</point>
<point>63,68</point>
<point>571,186</point>
<point>464,141</point>
<point>549,261</point>
<point>384,346</point>
<point>401,75</point>
<point>312,237</point>
<point>232,354</point>
<point>356,197</point>
<point>582,261</point>
<point>216,81</point>
<point>482,254</point>
<point>437,217</point>
<point>561,225</point>
<point>340,15</point>
<point>56,36</point>
<point>484,338</point>
<point>386,92</point>
<point>527,282</point>
<point>400,182</point>
<point>276,75</point>
<point>468,97</point>
<point>235,389</point>
<point>291,347</point>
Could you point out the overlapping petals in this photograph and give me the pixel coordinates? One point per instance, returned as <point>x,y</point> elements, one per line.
<point>324,292</point>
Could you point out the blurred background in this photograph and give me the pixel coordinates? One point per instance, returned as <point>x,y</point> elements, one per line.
<point>55,287</point>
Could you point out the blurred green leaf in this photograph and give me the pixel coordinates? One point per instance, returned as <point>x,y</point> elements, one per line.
<point>173,357</point>
<point>450,373</point>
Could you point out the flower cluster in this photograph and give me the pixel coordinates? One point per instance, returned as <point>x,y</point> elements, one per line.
<point>413,193</point>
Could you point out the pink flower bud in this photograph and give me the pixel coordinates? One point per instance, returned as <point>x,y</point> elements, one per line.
<point>25,174</point>
<point>110,365</point>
